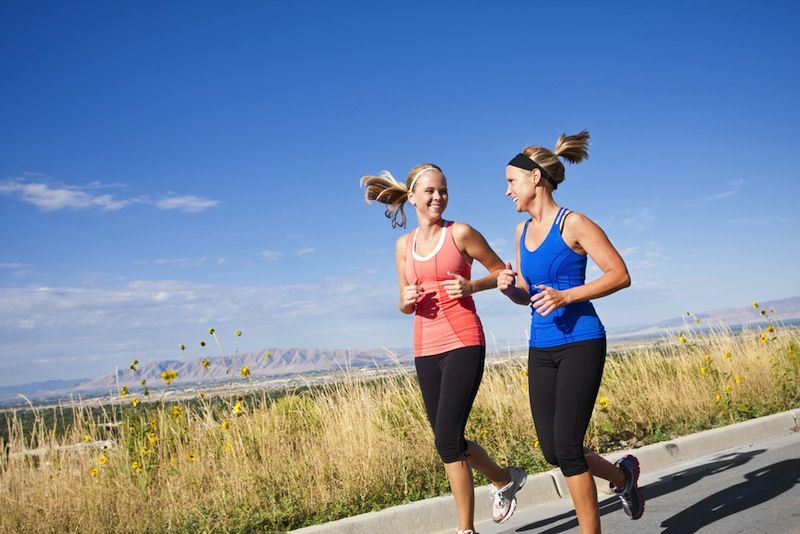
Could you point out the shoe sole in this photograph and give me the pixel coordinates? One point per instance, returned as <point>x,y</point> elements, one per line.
<point>513,502</point>
<point>636,471</point>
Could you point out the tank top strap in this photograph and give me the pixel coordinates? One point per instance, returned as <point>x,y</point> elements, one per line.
<point>560,216</point>
<point>524,231</point>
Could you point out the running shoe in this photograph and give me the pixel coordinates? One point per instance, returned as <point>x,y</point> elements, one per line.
<point>504,500</point>
<point>630,495</point>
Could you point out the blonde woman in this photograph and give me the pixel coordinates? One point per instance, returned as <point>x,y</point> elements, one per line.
<point>434,264</point>
<point>567,340</point>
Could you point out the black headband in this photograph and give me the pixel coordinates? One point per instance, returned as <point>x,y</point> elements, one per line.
<point>522,161</point>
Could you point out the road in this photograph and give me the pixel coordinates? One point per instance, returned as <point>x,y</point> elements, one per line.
<point>748,489</point>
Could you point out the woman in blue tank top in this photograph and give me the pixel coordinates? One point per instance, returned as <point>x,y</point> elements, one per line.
<point>567,340</point>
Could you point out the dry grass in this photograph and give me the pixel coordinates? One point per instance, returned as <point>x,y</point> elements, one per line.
<point>356,446</point>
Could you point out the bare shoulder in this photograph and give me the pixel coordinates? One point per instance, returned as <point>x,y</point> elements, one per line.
<point>461,230</point>
<point>576,222</point>
<point>402,242</point>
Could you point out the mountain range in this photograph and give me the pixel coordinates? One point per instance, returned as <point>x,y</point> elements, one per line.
<point>281,362</point>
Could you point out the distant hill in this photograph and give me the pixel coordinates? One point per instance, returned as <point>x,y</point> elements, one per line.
<point>281,362</point>
<point>263,363</point>
<point>787,310</point>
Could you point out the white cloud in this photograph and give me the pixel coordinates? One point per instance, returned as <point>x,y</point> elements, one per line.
<point>180,262</point>
<point>305,251</point>
<point>638,221</point>
<point>13,265</point>
<point>186,203</point>
<point>733,188</point>
<point>53,198</point>
<point>272,255</point>
<point>39,191</point>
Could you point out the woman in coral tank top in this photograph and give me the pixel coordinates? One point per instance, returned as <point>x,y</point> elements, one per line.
<point>434,264</point>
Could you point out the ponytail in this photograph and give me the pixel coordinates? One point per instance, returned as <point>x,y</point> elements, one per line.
<point>385,189</point>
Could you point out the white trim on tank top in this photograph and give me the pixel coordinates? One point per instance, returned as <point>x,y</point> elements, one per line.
<point>435,250</point>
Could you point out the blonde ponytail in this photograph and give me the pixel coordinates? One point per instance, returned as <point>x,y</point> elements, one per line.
<point>573,148</point>
<point>385,189</point>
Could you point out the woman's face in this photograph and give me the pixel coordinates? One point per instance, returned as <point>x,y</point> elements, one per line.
<point>521,186</point>
<point>430,194</point>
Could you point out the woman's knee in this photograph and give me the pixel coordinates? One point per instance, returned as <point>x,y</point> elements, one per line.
<point>451,449</point>
<point>571,459</point>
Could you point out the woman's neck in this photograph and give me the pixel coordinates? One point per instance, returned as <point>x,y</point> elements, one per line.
<point>428,228</point>
<point>542,207</point>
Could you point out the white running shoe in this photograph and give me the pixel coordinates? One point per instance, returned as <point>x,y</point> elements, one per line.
<point>504,500</point>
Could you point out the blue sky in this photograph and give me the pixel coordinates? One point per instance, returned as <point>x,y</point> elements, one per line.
<point>166,167</point>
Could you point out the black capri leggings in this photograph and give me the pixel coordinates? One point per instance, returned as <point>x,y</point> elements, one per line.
<point>449,383</point>
<point>562,383</point>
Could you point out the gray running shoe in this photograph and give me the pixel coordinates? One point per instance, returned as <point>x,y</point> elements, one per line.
<point>631,496</point>
<point>504,500</point>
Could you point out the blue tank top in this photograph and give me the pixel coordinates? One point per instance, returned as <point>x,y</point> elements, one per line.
<point>556,265</point>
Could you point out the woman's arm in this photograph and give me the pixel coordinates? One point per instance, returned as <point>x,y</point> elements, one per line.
<point>409,293</point>
<point>510,282</point>
<point>585,235</point>
<point>472,244</point>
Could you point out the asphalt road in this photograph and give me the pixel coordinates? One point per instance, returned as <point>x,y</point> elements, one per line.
<point>749,489</point>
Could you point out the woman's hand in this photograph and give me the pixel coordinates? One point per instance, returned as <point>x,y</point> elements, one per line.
<point>547,300</point>
<point>506,278</point>
<point>458,287</point>
<point>410,295</point>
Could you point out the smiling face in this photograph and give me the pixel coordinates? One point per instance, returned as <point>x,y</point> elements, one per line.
<point>429,195</point>
<point>521,186</point>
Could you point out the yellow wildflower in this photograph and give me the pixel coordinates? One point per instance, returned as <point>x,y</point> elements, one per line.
<point>152,438</point>
<point>145,451</point>
<point>133,365</point>
<point>772,359</point>
<point>728,388</point>
<point>153,424</point>
<point>176,411</point>
<point>523,373</point>
<point>238,333</point>
<point>770,329</point>
<point>143,381</point>
<point>94,472</point>
<point>182,346</point>
<point>763,313</point>
<point>755,304</point>
<point>763,339</point>
<point>123,392</point>
<point>737,379</point>
<point>717,397</point>
<point>237,408</point>
<point>204,363</point>
<point>703,371</point>
<point>728,356</point>
<point>244,371</point>
<point>211,331</point>
<point>135,401</point>
<point>707,360</point>
<point>103,459</point>
<point>603,402</point>
<point>169,376</point>
<point>225,424</point>
<point>681,338</point>
<point>86,437</point>
<point>267,355</point>
<point>136,466</point>
<point>228,446</point>
<point>191,457</point>
<point>535,443</point>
